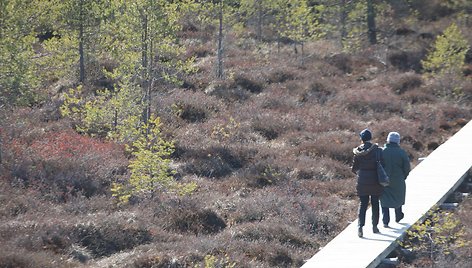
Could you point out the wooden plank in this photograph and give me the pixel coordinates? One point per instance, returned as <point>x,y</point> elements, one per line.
<point>428,185</point>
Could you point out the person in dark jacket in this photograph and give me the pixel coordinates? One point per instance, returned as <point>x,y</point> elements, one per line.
<point>365,166</point>
<point>397,166</point>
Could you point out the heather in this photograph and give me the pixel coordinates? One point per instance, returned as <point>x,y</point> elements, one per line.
<point>268,148</point>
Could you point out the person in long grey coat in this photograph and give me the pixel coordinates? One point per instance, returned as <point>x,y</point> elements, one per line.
<point>365,166</point>
<point>397,166</point>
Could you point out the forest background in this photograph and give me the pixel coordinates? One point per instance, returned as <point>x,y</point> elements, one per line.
<point>189,133</point>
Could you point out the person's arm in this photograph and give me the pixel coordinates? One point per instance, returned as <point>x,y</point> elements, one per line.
<point>382,161</point>
<point>406,164</point>
<point>355,165</point>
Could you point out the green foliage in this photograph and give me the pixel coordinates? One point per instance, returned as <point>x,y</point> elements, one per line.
<point>356,23</point>
<point>108,114</point>
<point>61,60</point>
<point>118,116</point>
<point>357,15</point>
<point>440,233</point>
<point>212,261</point>
<point>296,20</point>
<point>224,132</point>
<point>77,26</point>
<point>463,8</point>
<point>142,40</point>
<point>89,115</point>
<point>448,54</point>
<point>353,27</point>
<point>150,167</point>
<point>18,79</point>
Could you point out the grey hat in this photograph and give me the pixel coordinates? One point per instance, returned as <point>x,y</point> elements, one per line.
<point>393,137</point>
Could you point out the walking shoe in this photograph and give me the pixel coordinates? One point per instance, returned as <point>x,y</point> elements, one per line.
<point>376,230</point>
<point>386,226</point>
<point>398,218</point>
<point>359,232</point>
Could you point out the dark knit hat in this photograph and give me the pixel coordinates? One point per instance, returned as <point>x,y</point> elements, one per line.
<point>365,135</point>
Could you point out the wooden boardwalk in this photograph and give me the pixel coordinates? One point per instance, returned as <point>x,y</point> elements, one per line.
<point>428,184</point>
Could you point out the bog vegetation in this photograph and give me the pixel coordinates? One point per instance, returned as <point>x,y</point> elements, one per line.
<point>186,133</point>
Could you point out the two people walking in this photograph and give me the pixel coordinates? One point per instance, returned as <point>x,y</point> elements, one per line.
<point>397,165</point>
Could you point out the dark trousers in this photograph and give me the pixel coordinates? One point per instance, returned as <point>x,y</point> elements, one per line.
<point>386,215</point>
<point>374,201</point>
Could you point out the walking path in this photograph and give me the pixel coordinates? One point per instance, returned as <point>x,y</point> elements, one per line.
<point>428,185</point>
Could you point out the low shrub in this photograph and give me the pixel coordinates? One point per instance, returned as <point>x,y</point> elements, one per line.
<point>190,113</point>
<point>15,202</point>
<point>341,61</point>
<point>65,164</point>
<point>82,254</point>
<point>432,9</point>
<point>449,87</point>
<point>280,76</point>
<point>181,107</point>
<point>317,92</point>
<point>14,258</point>
<point>108,238</point>
<point>272,232</point>
<point>321,168</point>
<point>83,241</point>
<point>267,128</point>
<point>200,51</point>
<point>418,96</point>
<point>228,92</point>
<point>56,239</point>
<point>191,218</point>
<point>248,211</point>
<point>366,101</point>
<point>262,173</point>
<point>464,215</point>
<point>321,225</point>
<point>271,254</point>
<point>467,92</point>
<point>159,261</point>
<point>406,60</point>
<point>81,205</point>
<point>333,144</point>
<point>248,84</point>
<point>280,258</point>
<point>408,129</point>
<point>406,83</point>
<point>213,162</point>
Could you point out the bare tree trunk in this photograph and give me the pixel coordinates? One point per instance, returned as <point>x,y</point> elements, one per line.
<point>342,20</point>
<point>144,43</point>
<point>259,20</point>
<point>302,46</point>
<point>219,70</point>
<point>145,85</point>
<point>278,44</point>
<point>115,119</point>
<point>81,43</point>
<point>0,149</point>
<point>371,29</point>
<point>279,38</point>
<point>150,83</point>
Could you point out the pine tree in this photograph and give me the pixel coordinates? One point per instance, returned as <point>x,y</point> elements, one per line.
<point>150,172</point>
<point>140,36</point>
<point>77,25</point>
<point>298,21</point>
<point>448,54</point>
<point>17,66</point>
